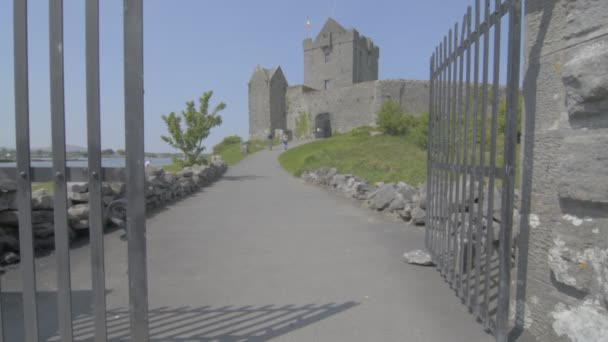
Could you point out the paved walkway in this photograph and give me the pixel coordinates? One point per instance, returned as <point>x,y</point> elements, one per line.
<point>261,255</point>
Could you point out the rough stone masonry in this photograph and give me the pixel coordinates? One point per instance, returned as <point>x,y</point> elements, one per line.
<point>566,91</point>
<point>162,188</point>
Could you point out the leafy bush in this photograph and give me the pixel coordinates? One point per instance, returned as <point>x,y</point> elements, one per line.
<point>302,126</point>
<point>395,122</point>
<point>392,120</point>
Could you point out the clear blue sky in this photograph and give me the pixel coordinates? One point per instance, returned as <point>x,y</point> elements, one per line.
<point>197,45</point>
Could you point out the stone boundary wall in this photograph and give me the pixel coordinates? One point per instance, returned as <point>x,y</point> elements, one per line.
<point>162,188</point>
<point>398,200</point>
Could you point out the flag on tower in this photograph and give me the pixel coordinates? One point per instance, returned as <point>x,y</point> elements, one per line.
<point>307,23</point>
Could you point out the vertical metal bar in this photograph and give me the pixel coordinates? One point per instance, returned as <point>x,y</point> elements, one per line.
<point>94,161</point>
<point>527,153</point>
<point>459,163</point>
<point>475,176</point>
<point>453,162</point>
<point>136,209</point>
<point>428,147</point>
<point>436,111</point>
<point>502,318</point>
<point>467,174</point>
<point>442,199</point>
<point>484,105</point>
<point>24,187</point>
<point>490,206</point>
<point>62,242</point>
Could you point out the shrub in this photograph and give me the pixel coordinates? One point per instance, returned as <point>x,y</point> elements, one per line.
<point>227,141</point>
<point>302,126</point>
<point>391,119</point>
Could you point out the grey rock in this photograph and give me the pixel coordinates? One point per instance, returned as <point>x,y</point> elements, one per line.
<point>398,203</point>
<point>10,258</point>
<point>418,257</point>
<point>406,191</point>
<point>418,216</point>
<point>406,212</point>
<point>8,200</point>
<point>78,197</point>
<point>41,200</point>
<point>337,181</point>
<point>118,189</point>
<point>80,225</point>
<point>78,212</point>
<point>585,78</point>
<point>44,230</point>
<point>382,197</point>
<point>7,185</point>
<point>9,239</point>
<point>78,187</point>
<point>11,217</point>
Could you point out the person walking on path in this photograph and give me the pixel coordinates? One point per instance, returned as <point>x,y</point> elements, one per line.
<point>285,140</point>
<point>270,141</point>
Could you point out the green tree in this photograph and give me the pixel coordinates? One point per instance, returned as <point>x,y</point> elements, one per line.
<point>121,152</point>
<point>198,124</point>
<point>107,152</point>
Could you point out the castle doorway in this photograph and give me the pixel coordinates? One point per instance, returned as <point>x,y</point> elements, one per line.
<point>322,126</point>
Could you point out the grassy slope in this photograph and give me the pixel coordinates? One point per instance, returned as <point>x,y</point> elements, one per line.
<point>232,153</point>
<point>375,158</point>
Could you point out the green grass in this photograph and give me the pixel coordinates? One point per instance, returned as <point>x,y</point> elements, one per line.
<point>48,186</point>
<point>376,158</point>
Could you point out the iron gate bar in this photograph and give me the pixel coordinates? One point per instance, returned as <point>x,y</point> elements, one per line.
<point>24,189</point>
<point>459,173</point>
<point>464,294</point>
<point>136,201</point>
<point>60,208</point>
<point>512,102</point>
<point>94,170</point>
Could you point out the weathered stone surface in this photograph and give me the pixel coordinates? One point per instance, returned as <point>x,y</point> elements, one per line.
<point>7,185</point>
<point>78,197</point>
<point>8,239</point>
<point>118,189</point>
<point>41,200</point>
<point>337,181</point>
<point>8,200</point>
<point>397,203</point>
<point>418,216</point>
<point>406,212</point>
<point>407,192</point>
<point>78,187</point>
<point>11,217</point>
<point>44,230</point>
<point>587,322</point>
<point>585,77</point>
<point>9,259</point>
<point>80,225</point>
<point>78,212</point>
<point>565,265</point>
<point>418,257</point>
<point>382,197</point>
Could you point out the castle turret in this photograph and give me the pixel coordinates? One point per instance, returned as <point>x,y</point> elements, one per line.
<point>338,57</point>
<point>267,109</point>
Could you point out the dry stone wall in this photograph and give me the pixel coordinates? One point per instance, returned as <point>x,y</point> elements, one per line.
<point>162,188</point>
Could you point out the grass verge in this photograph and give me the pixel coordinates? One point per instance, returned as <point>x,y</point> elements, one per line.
<point>377,157</point>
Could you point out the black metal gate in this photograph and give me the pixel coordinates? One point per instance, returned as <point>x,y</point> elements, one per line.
<point>472,164</point>
<point>133,175</point>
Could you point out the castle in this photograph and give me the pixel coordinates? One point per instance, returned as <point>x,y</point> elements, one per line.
<point>341,90</point>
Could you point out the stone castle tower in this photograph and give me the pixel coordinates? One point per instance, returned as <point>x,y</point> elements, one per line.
<point>267,88</point>
<point>339,58</point>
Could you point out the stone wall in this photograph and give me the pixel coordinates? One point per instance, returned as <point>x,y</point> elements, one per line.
<point>566,91</point>
<point>355,106</point>
<point>162,188</point>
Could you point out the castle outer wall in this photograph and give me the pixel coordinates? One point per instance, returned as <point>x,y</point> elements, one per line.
<point>354,106</point>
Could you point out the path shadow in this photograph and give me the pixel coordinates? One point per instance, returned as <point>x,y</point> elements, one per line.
<point>171,324</point>
<point>240,178</point>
